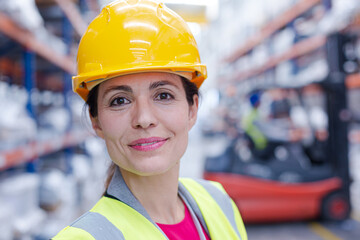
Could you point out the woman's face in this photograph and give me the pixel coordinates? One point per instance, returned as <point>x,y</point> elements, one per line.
<point>144,119</point>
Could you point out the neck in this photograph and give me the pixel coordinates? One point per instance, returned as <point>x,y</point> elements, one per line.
<point>158,194</point>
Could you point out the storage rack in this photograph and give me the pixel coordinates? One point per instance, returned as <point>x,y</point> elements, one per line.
<point>270,28</point>
<point>35,149</point>
<point>73,15</point>
<point>30,151</point>
<point>28,40</point>
<point>299,49</point>
<point>263,76</point>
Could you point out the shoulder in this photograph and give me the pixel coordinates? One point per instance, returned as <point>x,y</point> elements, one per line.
<point>204,183</point>
<point>73,233</point>
<point>78,229</point>
<point>84,228</point>
<point>213,188</point>
<point>92,225</point>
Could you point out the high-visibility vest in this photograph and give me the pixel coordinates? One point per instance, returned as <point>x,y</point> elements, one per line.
<point>111,219</point>
<point>248,124</point>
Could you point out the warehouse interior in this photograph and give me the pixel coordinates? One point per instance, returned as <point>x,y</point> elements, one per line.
<point>299,58</point>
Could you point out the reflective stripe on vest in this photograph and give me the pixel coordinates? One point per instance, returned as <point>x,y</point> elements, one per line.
<point>131,223</point>
<point>98,226</point>
<point>216,208</point>
<point>223,201</point>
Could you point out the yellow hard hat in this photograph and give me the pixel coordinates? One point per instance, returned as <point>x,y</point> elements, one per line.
<point>131,36</point>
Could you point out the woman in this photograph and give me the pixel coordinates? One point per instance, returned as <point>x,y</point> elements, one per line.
<point>139,71</point>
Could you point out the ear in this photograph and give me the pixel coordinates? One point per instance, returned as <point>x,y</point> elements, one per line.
<point>96,126</point>
<point>193,111</point>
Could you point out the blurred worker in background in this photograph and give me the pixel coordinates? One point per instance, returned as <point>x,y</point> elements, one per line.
<point>251,125</point>
<point>285,115</point>
<point>280,105</point>
<point>139,71</point>
<point>266,134</point>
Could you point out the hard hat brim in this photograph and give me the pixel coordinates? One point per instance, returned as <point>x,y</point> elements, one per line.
<point>82,84</point>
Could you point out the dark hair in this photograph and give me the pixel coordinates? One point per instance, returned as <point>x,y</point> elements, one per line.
<point>190,90</point>
<point>91,101</point>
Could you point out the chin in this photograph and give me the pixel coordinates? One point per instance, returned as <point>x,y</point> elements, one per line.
<point>152,169</point>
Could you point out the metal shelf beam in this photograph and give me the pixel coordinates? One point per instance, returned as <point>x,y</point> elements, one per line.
<point>299,49</point>
<point>273,26</point>
<point>35,149</point>
<point>74,15</point>
<point>28,40</point>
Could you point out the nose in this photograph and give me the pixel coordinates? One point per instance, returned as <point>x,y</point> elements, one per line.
<point>143,114</point>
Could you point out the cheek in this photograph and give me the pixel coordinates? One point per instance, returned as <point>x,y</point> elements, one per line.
<point>177,119</point>
<point>112,124</point>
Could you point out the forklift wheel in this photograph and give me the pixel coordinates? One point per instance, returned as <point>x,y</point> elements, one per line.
<point>335,207</point>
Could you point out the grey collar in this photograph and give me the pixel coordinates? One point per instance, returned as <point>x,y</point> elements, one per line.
<point>119,190</point>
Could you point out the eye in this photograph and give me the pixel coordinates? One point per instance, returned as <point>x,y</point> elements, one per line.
<point>164,96</point>
<point>119,101</point>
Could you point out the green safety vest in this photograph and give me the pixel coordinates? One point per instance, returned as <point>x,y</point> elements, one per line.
<point>112,218</point>
<point>253,131</point>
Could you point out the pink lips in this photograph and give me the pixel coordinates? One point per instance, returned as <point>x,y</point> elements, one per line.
<point>148,144</point>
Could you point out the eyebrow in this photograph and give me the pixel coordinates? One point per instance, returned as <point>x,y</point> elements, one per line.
<point>124,88</point>
<point>128,89</point>
<point>161,83</point>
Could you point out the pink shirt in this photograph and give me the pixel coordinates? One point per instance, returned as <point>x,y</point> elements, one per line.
<point>185,229</point>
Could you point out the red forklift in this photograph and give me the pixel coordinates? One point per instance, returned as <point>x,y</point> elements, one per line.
<point>297,182</point>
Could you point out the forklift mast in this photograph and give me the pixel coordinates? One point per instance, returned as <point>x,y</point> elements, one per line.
<point>338,113</point>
